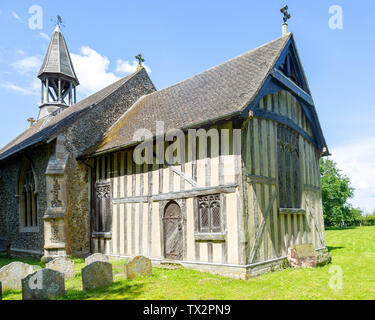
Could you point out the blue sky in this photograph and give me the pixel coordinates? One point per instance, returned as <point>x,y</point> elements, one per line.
<point>179,39</point>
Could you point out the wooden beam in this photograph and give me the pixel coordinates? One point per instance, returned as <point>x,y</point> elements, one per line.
<point>260,179</point>
<point>221,236</point>
<point>266,114</point>
<point>289,84</point>
<point>183,175</point>
<point>261,228</point>
<point>291,211</point>
<point>199,191</point>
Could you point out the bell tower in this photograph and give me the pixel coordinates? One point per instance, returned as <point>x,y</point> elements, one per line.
<point>57,76</point>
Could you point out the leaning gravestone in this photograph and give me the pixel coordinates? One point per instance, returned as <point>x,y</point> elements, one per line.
<point>302,255</point>
<point>12,274</point>
<point>43,284</point>
<point>139,265</point>
<point>64,265</point>
<point>96,257</point>
<point>97,274</point>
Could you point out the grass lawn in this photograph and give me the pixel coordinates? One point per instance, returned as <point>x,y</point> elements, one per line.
<point>352,249</point>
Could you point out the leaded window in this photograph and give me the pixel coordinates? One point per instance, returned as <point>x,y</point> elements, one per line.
<point>288,167</point>
<point>209,213</point>
<point>28,198</point>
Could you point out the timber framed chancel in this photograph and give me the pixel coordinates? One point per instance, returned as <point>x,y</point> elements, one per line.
<point>231,200</point>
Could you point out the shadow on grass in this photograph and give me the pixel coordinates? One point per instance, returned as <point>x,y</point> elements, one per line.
<point>118,290</point>
<point>341,229</point>
<point>330,248</point>
<point>34,262</point>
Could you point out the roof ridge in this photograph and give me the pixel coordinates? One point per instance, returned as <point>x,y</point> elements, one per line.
<point>139,106</point>
<point>65,114</point>
<point>220,64</point>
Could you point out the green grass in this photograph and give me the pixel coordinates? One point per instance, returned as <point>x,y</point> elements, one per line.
<point>352,249</point>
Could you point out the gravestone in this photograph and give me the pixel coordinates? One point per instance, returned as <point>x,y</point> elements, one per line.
<point>96,257</point>
<point>43,284</point>
<point>36,267</point>
<point>139,265</point>
<point>64,265</point>
<point>12,274</point>
<point>97,274</point>
<point>1,291</point>
<point>302,255</point>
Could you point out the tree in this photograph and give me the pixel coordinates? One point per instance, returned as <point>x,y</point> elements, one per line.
<point>336,190</point>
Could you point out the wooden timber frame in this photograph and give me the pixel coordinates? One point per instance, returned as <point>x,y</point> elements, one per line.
<point>256,231</point>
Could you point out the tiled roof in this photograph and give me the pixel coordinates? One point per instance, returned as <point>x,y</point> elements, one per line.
<point>216,93</point>
<point>47,127</point>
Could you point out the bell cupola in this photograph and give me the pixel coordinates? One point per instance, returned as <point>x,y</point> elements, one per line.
<point>58,77</point>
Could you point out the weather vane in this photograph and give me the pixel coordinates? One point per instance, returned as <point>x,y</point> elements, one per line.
<point>140,60</point>
<point>287,16</point>
<point>58,21</point>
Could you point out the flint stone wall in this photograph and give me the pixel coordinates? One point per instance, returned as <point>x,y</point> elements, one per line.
<point>9,204</point>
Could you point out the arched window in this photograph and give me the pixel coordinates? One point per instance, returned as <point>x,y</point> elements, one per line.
<point>290,190</point>
<point>209,218</point>
<point>28,197</point>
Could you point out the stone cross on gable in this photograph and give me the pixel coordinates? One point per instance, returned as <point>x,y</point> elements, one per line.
<point>287,16</point>
<point>31,120</point>
<point>140,60</point>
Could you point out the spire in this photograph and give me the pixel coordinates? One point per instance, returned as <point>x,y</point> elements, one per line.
<point>57,75</point>
<point>57,59</point>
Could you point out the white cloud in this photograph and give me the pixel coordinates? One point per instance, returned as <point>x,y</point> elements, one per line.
<point>44,36</point>
<point>20,52</point>
<point>357,160</point>
<point>26,91</point>
<point>92,70</point>
<point>29,64</point>
<point>129,67</point>
<point>16,16</point>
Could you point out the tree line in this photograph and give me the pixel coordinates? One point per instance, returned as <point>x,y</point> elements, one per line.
<point>336,191</point>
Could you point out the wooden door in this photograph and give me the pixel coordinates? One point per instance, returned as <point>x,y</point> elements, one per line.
<point>173,232</point>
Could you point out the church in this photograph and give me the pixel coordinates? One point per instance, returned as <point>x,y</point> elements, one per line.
<point>219,172</point>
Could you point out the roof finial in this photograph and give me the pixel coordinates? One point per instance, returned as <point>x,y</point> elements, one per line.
<point>58,22</point>
<point>31,120</point>
<point>287,16</point>
<point>140,60</point>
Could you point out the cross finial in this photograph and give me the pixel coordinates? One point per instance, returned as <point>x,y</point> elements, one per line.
<point>31,120</point>
<point>284,10</point>
<point>140,60</point>
<point>287,16</point>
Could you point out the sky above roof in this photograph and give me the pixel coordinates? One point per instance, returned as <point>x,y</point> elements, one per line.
<point>180,39</point>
